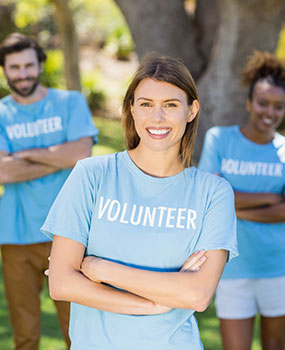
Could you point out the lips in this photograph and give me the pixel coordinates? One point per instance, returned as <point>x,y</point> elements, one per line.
<point>158,132</point>
<point>267,120</point>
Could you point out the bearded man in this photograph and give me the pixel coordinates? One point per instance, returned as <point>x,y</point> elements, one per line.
<point>43,132</point>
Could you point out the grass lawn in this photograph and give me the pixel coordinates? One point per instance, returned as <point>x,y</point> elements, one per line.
<point>110,140</point>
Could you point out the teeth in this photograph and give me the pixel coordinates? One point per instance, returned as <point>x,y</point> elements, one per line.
<point>158,131</point>
<point>267,120</point>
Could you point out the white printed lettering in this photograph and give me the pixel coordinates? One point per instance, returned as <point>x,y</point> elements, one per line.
<point>122,219</point>
<point>102,208</point>
<point>169,217</point>
<point>149,216</point>
<point>180,217</point>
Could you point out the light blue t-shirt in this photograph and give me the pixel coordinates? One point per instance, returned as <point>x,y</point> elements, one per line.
<point>59,117</point>
<point>120,213</point>
<point>250,167</point>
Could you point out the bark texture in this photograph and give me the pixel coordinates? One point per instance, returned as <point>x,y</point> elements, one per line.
<point>165,27</point>
<point>245,25</point>
<point>214,44</point>
<point>7,25</point>
<point>70,45</point>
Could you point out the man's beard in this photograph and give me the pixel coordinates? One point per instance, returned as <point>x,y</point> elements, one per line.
<point>24,92</point>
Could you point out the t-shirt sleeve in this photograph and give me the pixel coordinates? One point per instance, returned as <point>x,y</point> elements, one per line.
<point>70,214</point>
<point>4,142</point>
<point>219,223</point>
<point>80,122</point>
<point>210,159</point>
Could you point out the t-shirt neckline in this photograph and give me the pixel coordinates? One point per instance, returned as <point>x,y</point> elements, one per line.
<point>145,177</point>
<point>34,105</point>
<point>249,142</point>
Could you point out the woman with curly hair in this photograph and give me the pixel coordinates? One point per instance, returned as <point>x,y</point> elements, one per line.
<point>252,159</point>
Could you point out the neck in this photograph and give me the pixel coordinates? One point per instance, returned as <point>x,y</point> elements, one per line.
<point>158,164</point>
<point>37,95</point>
<point>256,136</point>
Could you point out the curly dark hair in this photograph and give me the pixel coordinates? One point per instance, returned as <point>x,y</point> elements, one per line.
<point>17,42</point>
<point>263,66</point>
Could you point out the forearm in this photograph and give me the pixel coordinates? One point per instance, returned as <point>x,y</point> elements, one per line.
<point>19,170</point>
<point>271,214</point>
<point>185,290</point>
<point>62,156</point>
<point>161,287</point>
<point>66,282</point>
<point>75,287</point>
<point>248,200</point>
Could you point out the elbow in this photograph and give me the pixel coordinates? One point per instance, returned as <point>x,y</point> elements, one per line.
<point>57,290</point>
<point>84,153</point>
<point>198,301</point>
<point>55,293</point>
<point>202,304</point>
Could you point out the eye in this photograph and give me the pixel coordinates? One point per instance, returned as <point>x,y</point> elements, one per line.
<point>279,107</point>
<point>262,103</point>
<point>170,105</point>
<point>14,68</point>
<point>145,104</point>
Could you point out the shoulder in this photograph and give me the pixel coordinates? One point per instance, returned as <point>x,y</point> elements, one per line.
<point>279,146</point>
<point>97,165</point>
<point>4,105</point>
<point>219,131</point>
<point>278,141</point>
<point>211,183</point>
<point>65,95</point>
<point>4,102</point>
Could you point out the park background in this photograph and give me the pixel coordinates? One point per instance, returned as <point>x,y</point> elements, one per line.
<point>95,45</point>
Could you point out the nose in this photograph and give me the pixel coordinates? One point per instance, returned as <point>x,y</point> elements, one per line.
<point>23,73</point>
<point>270,110</point>
<point>158,114</point>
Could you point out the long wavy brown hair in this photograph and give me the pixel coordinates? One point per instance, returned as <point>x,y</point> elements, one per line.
<point>172,71</point>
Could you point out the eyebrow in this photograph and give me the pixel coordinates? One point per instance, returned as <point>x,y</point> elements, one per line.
<point>168,100</point>
<point>16,65</point>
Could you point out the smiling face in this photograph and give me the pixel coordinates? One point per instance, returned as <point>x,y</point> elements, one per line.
<point>22,71</point>
<point>267,108</point>
<point>161,113</point>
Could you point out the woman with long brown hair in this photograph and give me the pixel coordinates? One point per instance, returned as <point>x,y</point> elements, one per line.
<point>125,225</point>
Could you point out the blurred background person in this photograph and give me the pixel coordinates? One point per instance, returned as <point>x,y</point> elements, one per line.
<point>43,132</point>
<point>252,159</point>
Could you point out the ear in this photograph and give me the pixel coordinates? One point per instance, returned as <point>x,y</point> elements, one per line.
<point>41,65</point>
<point>248,104</point>
<point>193,110</point>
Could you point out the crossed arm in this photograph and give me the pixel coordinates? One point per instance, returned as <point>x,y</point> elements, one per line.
<point>33,163</point>
<point>260,207</point>
<point>144,292</point>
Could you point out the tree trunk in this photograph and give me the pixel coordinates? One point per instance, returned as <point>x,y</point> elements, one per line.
<point>7,24</point>
<point>214,45</point>
<point>245,26</point>
<point>165,27</point>
<point>70,45</point>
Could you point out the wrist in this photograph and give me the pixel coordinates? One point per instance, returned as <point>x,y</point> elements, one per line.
<point>105,270</point>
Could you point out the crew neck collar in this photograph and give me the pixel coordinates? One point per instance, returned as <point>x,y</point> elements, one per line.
<point>149,178</point>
